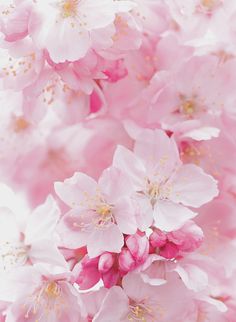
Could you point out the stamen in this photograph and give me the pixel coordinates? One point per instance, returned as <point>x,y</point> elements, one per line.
<point>45,300</point>
<point>157,190</point>
<point>20,124</point>
<point>52,290</point>
<point>209,4</point>
<point>140,312</point>
<point>188,108</point>
<point>69,8</point>
<point>104,217</point>
<point>12,255</point>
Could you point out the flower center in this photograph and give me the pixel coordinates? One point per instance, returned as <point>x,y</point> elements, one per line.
<point>20,124</point>
<point>13,67</point>
<point>12,255</point>
<point>190,153</point>
<point>139,312</point>
<point>44,301</point>
<point>52,290</point>
<point>209,4</point>
<point>153,190</point>
<point>69,8</point>
<point>188,108</point>
<point>157,190</point>
<point>104,210</point>
<point>105,217</point>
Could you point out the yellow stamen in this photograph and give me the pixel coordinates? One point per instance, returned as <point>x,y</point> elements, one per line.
<point>104,210</point>
<point>188,107</point>
<point>208,3</point>
<point>20,124</point>
<point>52,290</point>
<point>69,8</point>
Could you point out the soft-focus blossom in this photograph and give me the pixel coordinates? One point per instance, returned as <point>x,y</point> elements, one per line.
<point>40,294</point>
<point>117,160</point>
<point>76,24</point>
<point>28,238</point>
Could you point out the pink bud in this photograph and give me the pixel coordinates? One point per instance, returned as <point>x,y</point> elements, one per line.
<point>169,251</point>
<point>110,278</point>
<point>126,260</point>
<point>105,262</point>
<point>89,262</point>
<point>86,273</point>
<point>138,247</point>
<point>157,238</point>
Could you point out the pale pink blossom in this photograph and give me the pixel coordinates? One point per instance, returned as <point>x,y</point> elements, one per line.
<point>101,211</point>
<point>29,238</point>
<point>42,295</point>
<point>21,63</point>
<point>14,19</point>
<point>138,302</point>
<point>164,186</point>
<point>75,22</point>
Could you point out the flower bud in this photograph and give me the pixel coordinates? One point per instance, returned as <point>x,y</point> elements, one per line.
<point>138,247</point>
<point>169,250</point>
<point>105,262</point>
<point>110,278</point>
<point>157,238</point>
<point>126,261</point>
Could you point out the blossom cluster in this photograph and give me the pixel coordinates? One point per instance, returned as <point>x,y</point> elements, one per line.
<point>118,160</point>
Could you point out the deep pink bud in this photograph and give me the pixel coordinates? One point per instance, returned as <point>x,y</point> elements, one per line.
<point>169,251</point>
<point>105,262</point>
<point>157,238</point>
<point>86,273</point>
<point>126,261</point>
<point>89,262</point>
<point>138,247</point>
<point>110,278</point>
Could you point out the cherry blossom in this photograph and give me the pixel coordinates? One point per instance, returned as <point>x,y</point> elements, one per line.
<point>73,21</point>
<point>164,187</point>
<point>100,212</point>
<point>117,160</point>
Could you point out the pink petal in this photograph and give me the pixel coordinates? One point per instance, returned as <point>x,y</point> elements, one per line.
<point>144,213</point>
<point>71,235</point>
<point>126,160</point>
<point>115,184</point>
<point>109,239</point>
<point>44,251</point>
<point>114,307</point>
<point>170,216</point>
<point>76,190</point>
<point>158,151</point>
<point>193,187</point>
<point>42,222</point>
<point>192,276</point>
<point>124,213</point>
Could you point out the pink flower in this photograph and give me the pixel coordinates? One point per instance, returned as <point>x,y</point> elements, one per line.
<point>75,22</point>
<point>14,19</point>
<point>30,238</point>
<point>138,301</point>
<point>50,90</point>
<point>101,212</point>
<point>42,296</point>
<point>164,186</point>
<point>21,64</point>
